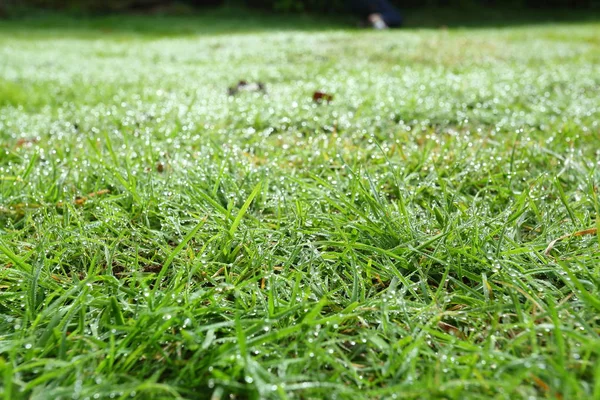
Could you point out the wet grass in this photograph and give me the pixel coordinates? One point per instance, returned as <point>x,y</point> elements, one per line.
<point>162,239</point>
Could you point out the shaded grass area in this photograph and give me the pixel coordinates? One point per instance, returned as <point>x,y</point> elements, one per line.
<point>228,20</point>
<point>162,239</point>
<point>208,21</point>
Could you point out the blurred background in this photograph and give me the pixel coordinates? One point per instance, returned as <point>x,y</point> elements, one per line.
<point>11,7</point>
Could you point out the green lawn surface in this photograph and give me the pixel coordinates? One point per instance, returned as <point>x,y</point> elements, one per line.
<point>162,238</point>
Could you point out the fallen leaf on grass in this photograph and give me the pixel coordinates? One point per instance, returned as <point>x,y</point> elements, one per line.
<point>451,329</point>
<point>25,142</point>
<point>79,201</point>
<point>543,386</point>
<point>99,193</point>
<point>376,281</point>
<point>219,272</point>
<point>320,97</point>
<point>246,87</point>
<point>592,231</point>
<point>155,269</point>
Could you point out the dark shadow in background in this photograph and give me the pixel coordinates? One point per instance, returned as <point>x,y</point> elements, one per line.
<point>165,22</point>
<point>185,20</point>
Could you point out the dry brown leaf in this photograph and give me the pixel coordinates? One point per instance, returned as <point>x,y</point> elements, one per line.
<point>99,193</point>
<point>543,386</point>
<point>321,97</point>
<point>451,329</point>
<point>219,272</point>
<point>586,232</point>
<point>153,268</point>
<point>79,201</point>
<point>25,142</point>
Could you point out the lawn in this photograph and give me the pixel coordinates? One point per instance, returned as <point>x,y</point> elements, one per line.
<point>161,238</point>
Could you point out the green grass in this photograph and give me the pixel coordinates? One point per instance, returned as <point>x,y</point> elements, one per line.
<point>161,239</point>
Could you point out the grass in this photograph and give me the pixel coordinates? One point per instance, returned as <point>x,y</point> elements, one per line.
<point>161,239</point>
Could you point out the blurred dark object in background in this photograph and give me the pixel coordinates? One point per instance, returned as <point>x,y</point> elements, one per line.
<point>319,6</point>
<point>376,12</point>
<point>105,5</point>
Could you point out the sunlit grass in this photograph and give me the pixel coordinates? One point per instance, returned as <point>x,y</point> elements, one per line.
<point>162,239</point>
